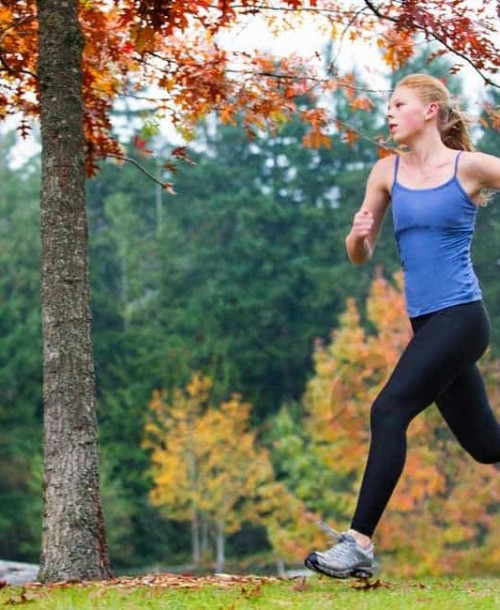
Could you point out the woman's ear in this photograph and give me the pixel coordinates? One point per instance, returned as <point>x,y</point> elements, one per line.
<point>432,110</point>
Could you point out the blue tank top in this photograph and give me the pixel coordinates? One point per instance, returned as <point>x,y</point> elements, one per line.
<point>433,229</point>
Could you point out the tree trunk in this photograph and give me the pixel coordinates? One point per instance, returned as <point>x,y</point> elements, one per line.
<point>195,539</point>
<point>219,546</point>
<point>73,539</point>
<point>204,535</point>
<point>280,568</point>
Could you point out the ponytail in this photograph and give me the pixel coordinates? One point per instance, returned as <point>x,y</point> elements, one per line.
<point>453,127</point>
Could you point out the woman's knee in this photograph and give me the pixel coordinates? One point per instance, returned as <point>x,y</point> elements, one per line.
<point>486,455</point>
<point>482,443</point>
<point>388,411</point>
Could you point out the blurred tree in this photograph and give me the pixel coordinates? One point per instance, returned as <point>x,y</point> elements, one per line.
<point>207,468</point>
<point>20,354</point>
<point>486,245</point>
<point>437,510</point>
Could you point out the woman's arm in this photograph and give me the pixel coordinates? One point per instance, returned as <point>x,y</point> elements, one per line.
<point>478,171</point>
<point>360,243</point>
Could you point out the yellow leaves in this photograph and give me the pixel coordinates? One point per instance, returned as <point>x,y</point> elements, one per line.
<point>205,457</point>
<point>456,533</point>
<point>103,81</point>
<point>199,387</point>
<point>395,330</point>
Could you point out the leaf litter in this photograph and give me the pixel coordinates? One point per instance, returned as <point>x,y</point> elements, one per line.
<point>250,585</point>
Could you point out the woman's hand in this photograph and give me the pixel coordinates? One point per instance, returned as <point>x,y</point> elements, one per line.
<point>362,224</point>
<point>366,223</point>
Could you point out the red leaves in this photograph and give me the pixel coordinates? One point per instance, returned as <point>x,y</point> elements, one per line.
<point>24,128</point>
<point>466,32</point>
<point>168,46</point>
<point>140,146</point>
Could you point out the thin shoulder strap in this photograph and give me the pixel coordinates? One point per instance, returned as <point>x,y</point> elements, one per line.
<point>457,157</point>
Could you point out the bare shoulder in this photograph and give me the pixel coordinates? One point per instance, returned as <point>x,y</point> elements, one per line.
<point>379,185</point>
<point>382,174</point>
<point>480,170</point>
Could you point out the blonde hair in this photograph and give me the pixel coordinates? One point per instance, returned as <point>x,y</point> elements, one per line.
<point>452,122</point>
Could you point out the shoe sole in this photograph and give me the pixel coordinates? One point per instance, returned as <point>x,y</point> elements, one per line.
<point>359,572</point>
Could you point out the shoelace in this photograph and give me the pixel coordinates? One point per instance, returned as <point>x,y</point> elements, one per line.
<point>343,550</point>
<point>345,541</point>
<point>341,537</point>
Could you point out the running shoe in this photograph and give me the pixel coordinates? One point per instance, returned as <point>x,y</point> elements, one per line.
<point>344,559</point>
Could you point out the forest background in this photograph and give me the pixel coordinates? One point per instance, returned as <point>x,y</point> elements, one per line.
<point>225,312</point>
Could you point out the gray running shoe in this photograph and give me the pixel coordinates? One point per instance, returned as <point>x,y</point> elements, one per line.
<point>344,559</point>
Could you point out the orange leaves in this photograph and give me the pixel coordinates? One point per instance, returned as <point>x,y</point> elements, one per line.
<point>361,103</point>
<point>170,47</point>
<point>316,139</point>
<point>440,501</point>
<point>386,310</point>
<point>18,44</point>
<point>492,117</point>
<point>317,136</point>
<point>143,38</point>
<point>397,47</point>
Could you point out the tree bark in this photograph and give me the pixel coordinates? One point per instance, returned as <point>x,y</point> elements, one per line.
<point>73,538</point>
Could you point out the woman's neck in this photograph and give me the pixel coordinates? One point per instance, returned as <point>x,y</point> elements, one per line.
<point>425,153</point>
<point>427,148</point>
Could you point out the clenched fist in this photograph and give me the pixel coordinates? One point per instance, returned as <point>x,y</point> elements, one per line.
<point>362,224</point>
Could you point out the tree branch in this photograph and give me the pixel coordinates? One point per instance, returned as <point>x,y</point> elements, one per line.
<point>166,185</point>
<point>438,38</point>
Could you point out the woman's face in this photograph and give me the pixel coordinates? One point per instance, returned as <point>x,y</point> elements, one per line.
<point>406,115</point>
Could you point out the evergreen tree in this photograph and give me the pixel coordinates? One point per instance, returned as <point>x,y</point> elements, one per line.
<point>20,356</point>
<point>486,245</point>
<point>234,276</point>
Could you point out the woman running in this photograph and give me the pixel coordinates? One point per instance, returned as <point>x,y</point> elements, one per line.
<point>435,189</point>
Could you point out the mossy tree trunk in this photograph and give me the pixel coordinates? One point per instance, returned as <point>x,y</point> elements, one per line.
<point>73,539</point>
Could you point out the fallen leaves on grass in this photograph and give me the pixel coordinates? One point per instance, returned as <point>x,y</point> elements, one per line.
<point>167,581</point>
<point>367,585</point>
<point>21,598</point>
<point>301,585</point>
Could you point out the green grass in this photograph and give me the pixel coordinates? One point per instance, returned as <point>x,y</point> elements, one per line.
<point>315,593</point>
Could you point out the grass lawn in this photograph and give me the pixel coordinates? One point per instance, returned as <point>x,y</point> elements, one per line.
<point>229,593</point>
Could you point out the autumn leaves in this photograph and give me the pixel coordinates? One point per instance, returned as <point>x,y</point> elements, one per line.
<point>211,468</point>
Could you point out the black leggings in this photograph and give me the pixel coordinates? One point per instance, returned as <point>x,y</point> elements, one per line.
<point>438,366</point>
